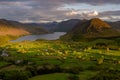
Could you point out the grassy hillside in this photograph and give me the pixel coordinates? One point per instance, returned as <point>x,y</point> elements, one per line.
<point>36,60</point>
<point>14,28</point>
<point>55,76</point>
<point>6,28</point>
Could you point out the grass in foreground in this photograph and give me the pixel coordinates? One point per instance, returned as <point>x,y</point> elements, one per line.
<point>54,76</point>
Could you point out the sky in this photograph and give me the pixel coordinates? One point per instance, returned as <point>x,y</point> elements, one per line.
<point>41,11</point>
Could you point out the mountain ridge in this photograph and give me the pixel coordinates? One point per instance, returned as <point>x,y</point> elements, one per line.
<point>66,26</point>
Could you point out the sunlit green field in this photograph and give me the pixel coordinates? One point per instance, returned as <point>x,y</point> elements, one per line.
<point>60,60</point>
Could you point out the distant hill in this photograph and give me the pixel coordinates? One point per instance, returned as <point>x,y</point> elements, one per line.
<point>94,28</point>
<point>115,25</point>
<point>14,28</point>
<point>65,26</point>
<point>48,26</point>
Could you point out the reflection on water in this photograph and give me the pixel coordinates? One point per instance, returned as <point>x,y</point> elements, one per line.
<point>52,36</point>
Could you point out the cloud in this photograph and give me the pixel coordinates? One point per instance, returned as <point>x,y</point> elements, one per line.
<point>52,10</point>
<point>89,14</point>
<point>110,15</point>
<point>72,13</point>
<point>93,2</point>
<point>99,2</point>
<point>82,13</point>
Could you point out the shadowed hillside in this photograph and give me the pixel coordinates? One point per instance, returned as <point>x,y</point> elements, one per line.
<point>115,25</point>
<point>65,26</point>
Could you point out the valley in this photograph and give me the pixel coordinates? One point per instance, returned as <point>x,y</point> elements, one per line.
<point>42,59</point>
<point>89,51</point>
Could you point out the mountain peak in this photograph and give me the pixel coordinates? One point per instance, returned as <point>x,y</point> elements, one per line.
<point>99,23</point>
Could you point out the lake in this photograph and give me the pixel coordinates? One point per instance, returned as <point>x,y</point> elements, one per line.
<point>52,36</point>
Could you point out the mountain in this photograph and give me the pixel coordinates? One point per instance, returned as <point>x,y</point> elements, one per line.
<point>115,25</point>
<point>94,28</point>
<point>7,28</point>
<point>14,28</point>
<point>48,26</point>
<point>65,26</point>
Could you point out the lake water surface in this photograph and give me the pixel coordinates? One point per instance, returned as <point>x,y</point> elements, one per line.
<point>52,36</point>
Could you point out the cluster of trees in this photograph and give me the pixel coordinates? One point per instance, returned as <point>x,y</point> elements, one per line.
<point>107,75</point>
<point>33,70</point>
<point>112,44</point>
<point>14,75</point>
